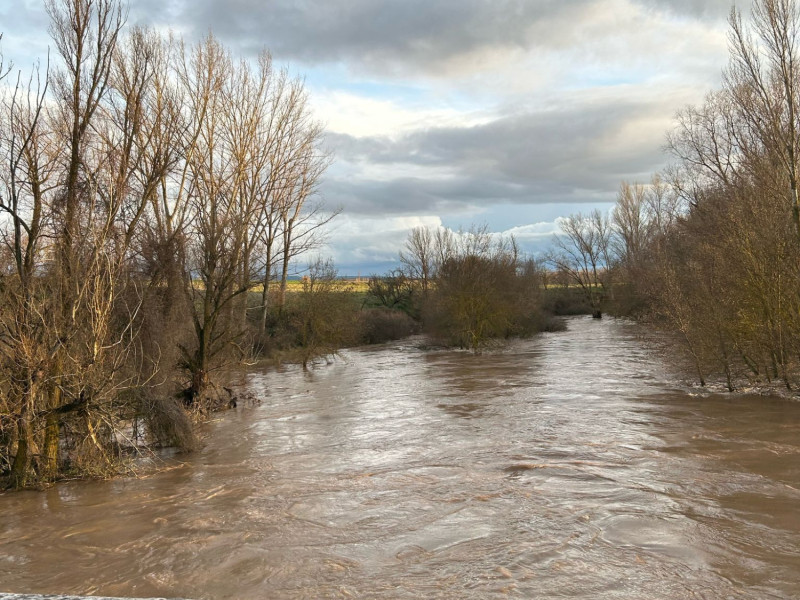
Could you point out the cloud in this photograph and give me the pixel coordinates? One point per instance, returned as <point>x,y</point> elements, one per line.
<point>366,245</point>
<point>456,111</point>
<point>534,231</point>
<point>578,152</point>
<point>450,39</point>
<point>360,115</point>
<point>713,10</point>
<point>381,34</point>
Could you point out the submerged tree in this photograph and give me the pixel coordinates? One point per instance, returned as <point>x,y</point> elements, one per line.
<point>474,287</point>
<point>320,313</point>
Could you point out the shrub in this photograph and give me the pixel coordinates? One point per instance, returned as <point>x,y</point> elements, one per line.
<point>378,325</point>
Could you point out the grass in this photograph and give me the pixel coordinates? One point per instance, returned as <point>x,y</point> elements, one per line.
<point>356,288</point>
<point>348,285</point>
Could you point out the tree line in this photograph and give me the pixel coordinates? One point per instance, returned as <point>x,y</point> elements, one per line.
<point>709,249</point>
<point>147,186</point>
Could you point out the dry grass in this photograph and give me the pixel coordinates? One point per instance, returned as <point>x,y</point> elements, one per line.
<point>358,285</point>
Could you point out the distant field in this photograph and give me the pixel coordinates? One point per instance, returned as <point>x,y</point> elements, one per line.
<point>296,285</point>
<point>357,289</point>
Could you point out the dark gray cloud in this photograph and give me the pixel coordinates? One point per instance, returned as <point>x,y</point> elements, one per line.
<point>425,195</point>
<point>397,35</point>
<point>573,154</point>
<point>422,33</point>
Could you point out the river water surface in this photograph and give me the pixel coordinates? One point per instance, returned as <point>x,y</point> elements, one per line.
<point>570,465</point>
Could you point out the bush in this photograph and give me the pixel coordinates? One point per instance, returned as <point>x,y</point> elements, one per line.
<point>483,296</point>
<point>395,291</point>
<point>378,325</point>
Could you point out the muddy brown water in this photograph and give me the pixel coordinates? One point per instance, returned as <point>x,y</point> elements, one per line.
<point>570,465</point>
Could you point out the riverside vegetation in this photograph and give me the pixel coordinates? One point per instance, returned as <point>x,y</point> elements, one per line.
<point>148,186</point>
<point>709,248</point>
<point>156,195</point>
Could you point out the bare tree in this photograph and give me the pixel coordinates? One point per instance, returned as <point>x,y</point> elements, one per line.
<point>583,255</point>
<point>25,340</point>
<point>630,222</point>
<point>135,171</point>
<point>217,227</point>
<point>302,172</point>
<point>254,163</point>
<point>75,205</point>
<point>418,258</point>
<point>426,250</point>
<point>663,207</point>
<point>762,82</point>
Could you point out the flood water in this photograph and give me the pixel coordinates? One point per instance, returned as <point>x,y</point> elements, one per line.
<point>571,465</point>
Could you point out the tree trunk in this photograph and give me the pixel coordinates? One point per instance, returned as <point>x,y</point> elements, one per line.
<point>25,444</point>
<point>287,248</point>
<point>199,385</point>
<point>796,209</point>
<point>51,446</point>
<point>264,304</point>
<point>199,370</point>
<point>22,460</point>
<point>264,313</point>
<point>245,281</point>
<point>282,289</point>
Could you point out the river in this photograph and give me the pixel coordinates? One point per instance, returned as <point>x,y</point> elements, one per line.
<point>570,465</point>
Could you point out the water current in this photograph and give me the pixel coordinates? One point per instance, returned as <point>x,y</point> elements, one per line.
<point>570,465</point>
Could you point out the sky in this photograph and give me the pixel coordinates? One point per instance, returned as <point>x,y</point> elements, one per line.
<point>505,113</point>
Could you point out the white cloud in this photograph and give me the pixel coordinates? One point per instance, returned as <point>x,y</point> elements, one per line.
<point>371,243</point>
<point>359,115</point>
<point>534,231</point>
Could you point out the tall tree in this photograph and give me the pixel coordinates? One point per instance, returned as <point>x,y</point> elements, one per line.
<point>583,255</point>
<point>763,82</point>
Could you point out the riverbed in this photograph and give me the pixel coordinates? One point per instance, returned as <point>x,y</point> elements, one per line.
<point>571,465</point>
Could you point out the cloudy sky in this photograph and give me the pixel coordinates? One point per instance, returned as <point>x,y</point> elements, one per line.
<point>509,113</point>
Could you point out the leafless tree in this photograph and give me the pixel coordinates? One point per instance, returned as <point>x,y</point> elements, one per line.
<point>583,254</point>
<point>302,172</point>
<point>136,171</point>
<point>762,83</point>
<point>630,223</point>
<point>322,317</point>
<point>418,257</point>
<point>26,348</point>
